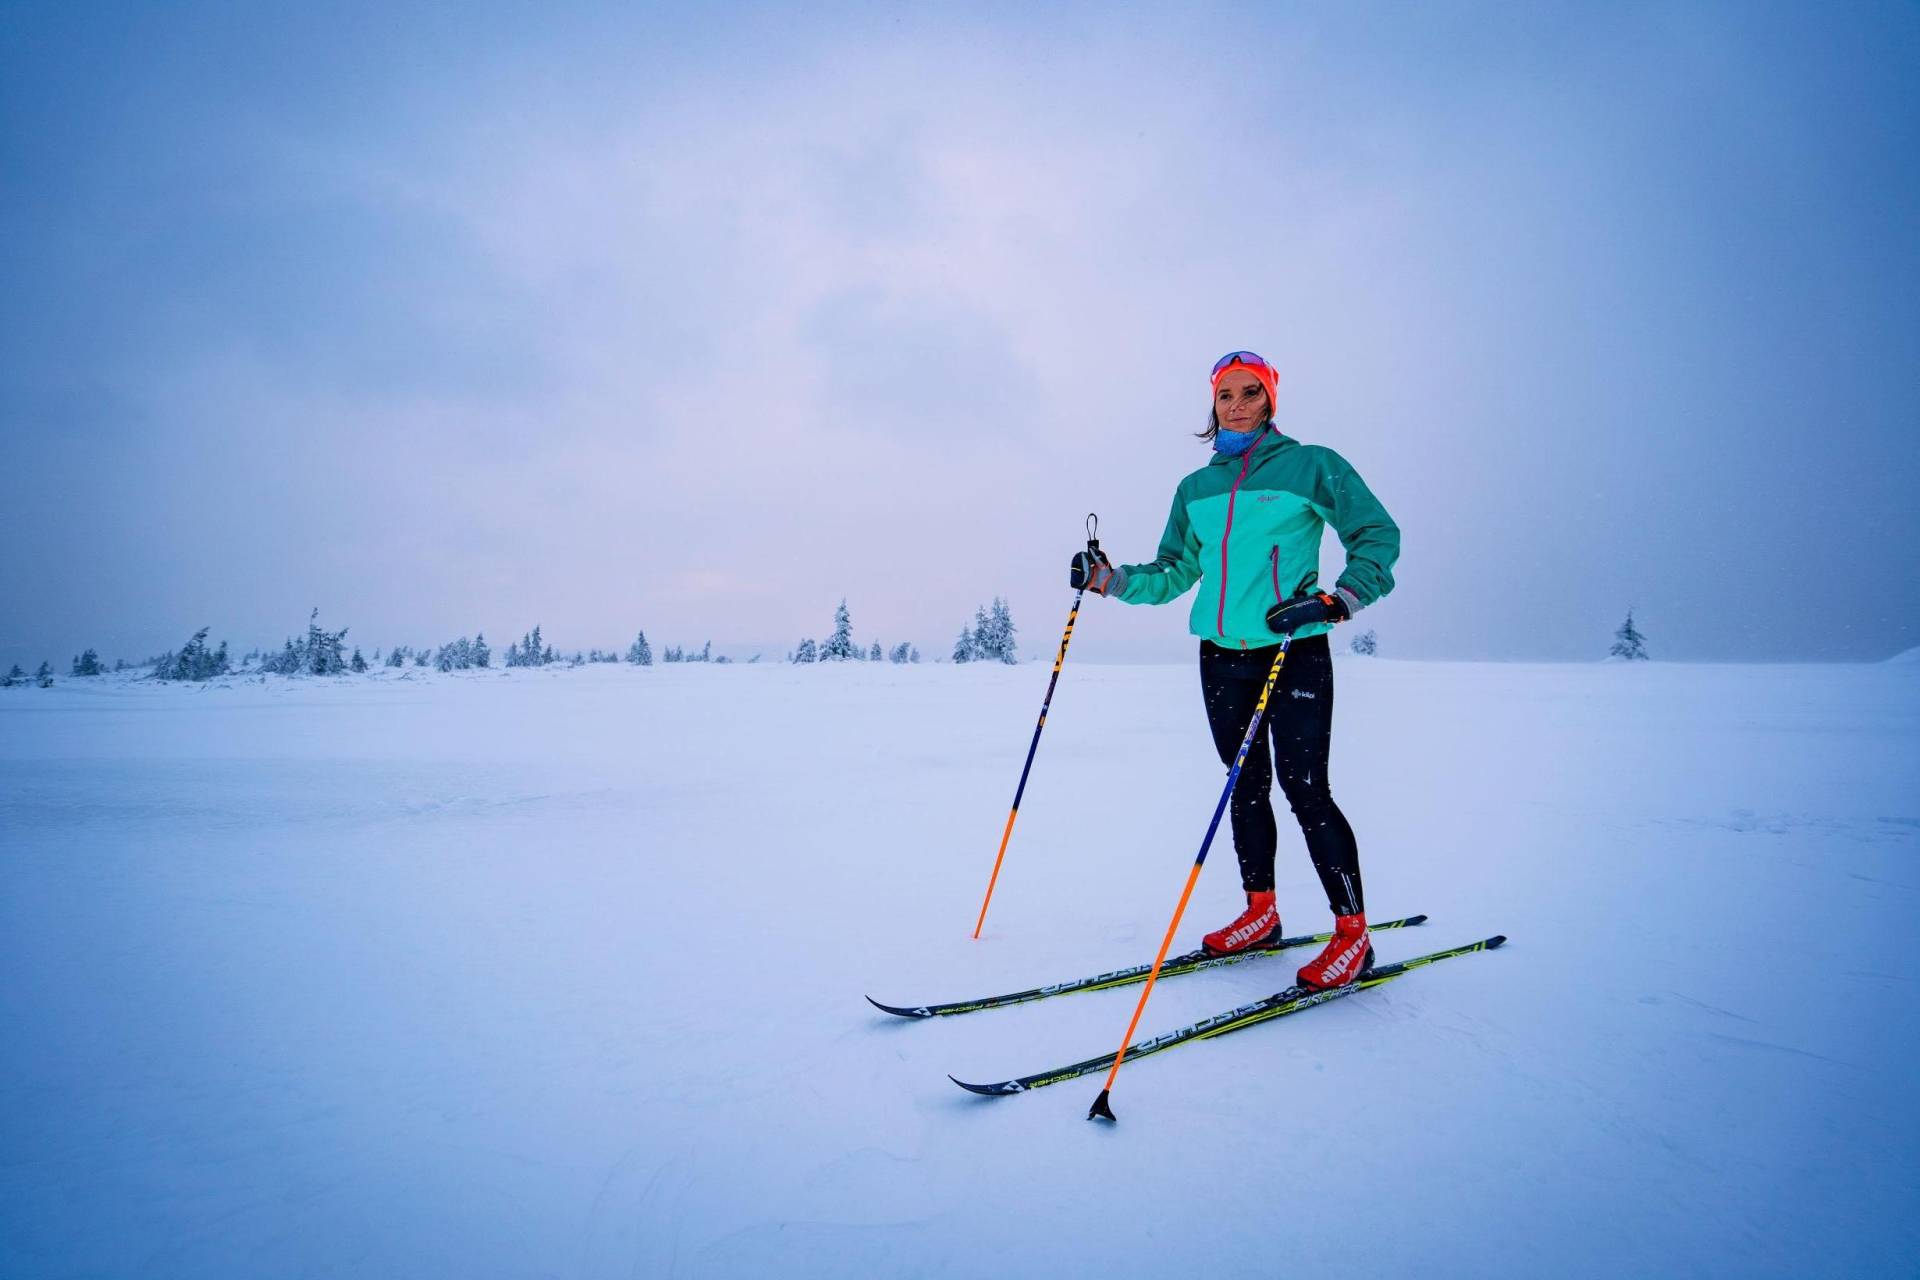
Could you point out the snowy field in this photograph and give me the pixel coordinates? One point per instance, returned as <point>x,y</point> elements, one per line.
<point>559,973</point>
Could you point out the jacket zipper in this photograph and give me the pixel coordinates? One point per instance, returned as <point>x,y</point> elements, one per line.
<point>1220,615</point>
<point>1273,562</point>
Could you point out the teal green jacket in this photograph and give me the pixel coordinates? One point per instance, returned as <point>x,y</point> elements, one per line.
<point>1251,526</point>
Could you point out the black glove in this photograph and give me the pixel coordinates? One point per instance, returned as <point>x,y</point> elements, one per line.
<point>1289,616</point>
<point>1092,571</point>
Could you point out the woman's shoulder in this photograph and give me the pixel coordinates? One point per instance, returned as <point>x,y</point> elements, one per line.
<point>1201,479</point>
<point>1315,457</point>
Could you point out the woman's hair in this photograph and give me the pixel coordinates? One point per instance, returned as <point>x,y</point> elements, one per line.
<point>1213,422</point>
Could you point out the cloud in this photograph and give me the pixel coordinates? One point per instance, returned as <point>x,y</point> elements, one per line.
<point>594,318</point>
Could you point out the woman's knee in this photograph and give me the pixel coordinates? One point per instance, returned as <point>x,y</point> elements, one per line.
<point>1308,797</point>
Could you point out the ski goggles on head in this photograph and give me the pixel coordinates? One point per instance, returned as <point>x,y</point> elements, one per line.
<point>1250,359</point>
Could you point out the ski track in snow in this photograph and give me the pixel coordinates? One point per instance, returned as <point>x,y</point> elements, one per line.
<point>560,973</point>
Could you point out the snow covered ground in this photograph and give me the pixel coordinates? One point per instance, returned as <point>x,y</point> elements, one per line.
<point>559,973</point>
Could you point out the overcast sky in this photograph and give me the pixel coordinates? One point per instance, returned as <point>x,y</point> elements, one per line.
<point>699,320</point>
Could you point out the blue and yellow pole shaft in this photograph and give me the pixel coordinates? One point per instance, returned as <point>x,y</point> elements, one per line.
<point>1101,1107</point>
<point>1059,661</point>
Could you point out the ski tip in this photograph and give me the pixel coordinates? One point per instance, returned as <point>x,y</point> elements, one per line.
<point>899,1012</point>
<point>1101,1109</point>
<point>984,1090</point>
<point>1497,940</point>
<point>1413,920</point>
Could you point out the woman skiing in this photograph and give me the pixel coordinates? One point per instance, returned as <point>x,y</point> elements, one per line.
<point>1249,523</point>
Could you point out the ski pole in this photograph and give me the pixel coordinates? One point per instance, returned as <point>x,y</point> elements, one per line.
<point>1101,1107</point>
<point>1059,660</point>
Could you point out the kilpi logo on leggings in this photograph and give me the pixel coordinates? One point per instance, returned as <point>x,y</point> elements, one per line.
<point>1300,693</point>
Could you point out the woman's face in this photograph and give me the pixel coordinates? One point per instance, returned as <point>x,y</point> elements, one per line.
<point>1240,402</point>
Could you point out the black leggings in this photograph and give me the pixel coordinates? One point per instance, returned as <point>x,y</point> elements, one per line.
<point>1299,724</point>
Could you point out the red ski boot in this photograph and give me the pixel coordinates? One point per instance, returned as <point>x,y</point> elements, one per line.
<point>1259,922</point>
<point>1349,955</point>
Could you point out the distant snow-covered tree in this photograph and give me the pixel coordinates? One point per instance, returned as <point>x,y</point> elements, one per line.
<point>806,652</point>
<point>13,677</point>
<point>839,646</point>
<point>44,676</point>
<point>899,652</point>
<point>398,657</point>
<point>359,663</point>
<point>1365,644</point>
<point>194,661</point>
<point>706,652</point>
<point>319,653</point>
<point>640,653</point>
<point>1628,643</point>
<point>964,648</point>
<point>996,638</point>
<point>88,664</point>
<point>422,657</point>
<point>873,654</point>
<point>482,655</point>
<point>913,654</point>
<point>326,650</point>
<point>457,656</point>
<point>532,651</point>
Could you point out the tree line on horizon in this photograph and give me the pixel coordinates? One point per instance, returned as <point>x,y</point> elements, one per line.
<point>321,652</point>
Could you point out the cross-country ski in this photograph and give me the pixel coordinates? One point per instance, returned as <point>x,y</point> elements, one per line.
<point>1191,962</point>
<point>1277,1005</point>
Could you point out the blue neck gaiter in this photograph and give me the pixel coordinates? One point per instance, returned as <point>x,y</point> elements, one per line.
<point>1235,443</point>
